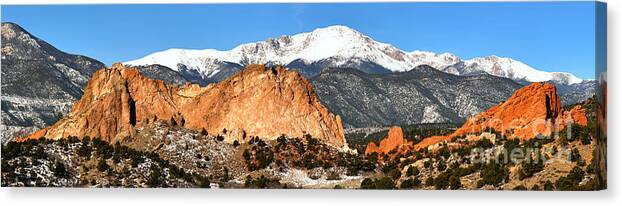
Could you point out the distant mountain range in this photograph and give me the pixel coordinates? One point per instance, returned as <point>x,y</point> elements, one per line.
<point>421,95</point>
<point>386,86</point>
<point>340,46</point>
<point>343,47</point>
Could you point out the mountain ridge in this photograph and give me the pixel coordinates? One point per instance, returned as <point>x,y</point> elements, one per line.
<point>39,82</point>
<point>343,44</point>
<point>421,95</point>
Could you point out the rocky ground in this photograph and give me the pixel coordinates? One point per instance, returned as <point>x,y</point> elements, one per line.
<point>190,150</point>
<point>163,155</point>
<point>75,163</point>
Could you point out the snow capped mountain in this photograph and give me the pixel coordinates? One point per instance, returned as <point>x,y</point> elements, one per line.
<point>338,42</point>
<point>434,60</point>
<point>341,46</point>
<point>510,68</point>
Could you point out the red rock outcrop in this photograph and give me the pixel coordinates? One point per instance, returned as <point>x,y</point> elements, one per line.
<point>257,101</point>
<point>371,148</point>
<point>577,114</point>
<point>394,140</point>
<point>532,110</point>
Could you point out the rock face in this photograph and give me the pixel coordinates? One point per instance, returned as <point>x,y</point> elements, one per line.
<point>39,82</point>
<point>394,140</point>
<point>532,110</point>
<point>257,101</point>
<point>528,112</point>
<point>578,115</point>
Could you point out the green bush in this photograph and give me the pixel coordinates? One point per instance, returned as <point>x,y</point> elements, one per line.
<point>59,170</point>
<point>410,183</point>
<point>412,171</point>
<point>572,180</point>
<point>385,183</point>
<point>381,183</point>
<point>102,165</point>
<point>493,174</point>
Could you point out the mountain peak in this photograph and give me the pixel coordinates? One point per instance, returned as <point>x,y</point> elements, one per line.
<point>14,36</point>
<point>11,26</point>
<point>516,70</point>
<point>340,29</point>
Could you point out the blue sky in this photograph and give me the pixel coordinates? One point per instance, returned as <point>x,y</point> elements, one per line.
<point>553,36</point>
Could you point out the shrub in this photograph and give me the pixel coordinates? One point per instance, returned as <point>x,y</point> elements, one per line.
<point>454,182</point>
<point>261,182</point>
<point>412,171</point>
<point>484,143</point>
<point>441,166</point>
<point>572,180</point>
<point>155,176</point>
<point>385,183</point>
<point>381,183</point>
<point>493,174</point>
<point>548,185</point>
<point>575,155</point>
<point>444,152</point>
<point>410,183</point>
<point>59,170</point>
<point>442,180</point>
<point>429,181</point>
<point>530,166</point>
<point>368,183</point>
<point>102,165</point>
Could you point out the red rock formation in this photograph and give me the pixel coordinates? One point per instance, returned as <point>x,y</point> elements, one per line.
<point>371,148</point>
<point>394,140</point>
<point>532,110</point>
<point>577,115</point>
<point>257,101</point>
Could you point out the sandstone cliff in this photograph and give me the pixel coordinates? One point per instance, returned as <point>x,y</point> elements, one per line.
<point>257,101</point>
<point>532,110</point>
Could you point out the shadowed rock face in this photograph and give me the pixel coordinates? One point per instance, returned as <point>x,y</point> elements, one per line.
<point>257,101</point>
<point>532,110</point>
